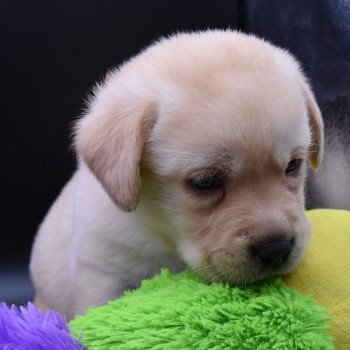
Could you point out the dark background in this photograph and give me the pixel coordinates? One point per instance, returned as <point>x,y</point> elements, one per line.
<point>52,53</point>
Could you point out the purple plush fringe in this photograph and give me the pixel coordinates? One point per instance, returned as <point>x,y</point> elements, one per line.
<point>27,328</point>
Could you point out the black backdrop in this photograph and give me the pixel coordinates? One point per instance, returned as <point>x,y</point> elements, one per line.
<point>52,52</point>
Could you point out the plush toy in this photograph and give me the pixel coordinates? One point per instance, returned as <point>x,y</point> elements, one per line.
<point>184,312</point>
<point>325,270</point>
<point>27,328</point>
<point>178,312</point>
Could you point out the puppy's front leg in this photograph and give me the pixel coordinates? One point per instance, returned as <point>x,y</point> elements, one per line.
<point>92,287</point>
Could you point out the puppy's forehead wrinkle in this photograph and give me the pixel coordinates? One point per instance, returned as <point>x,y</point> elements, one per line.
<point>225,136</point>
<point>206,160</point>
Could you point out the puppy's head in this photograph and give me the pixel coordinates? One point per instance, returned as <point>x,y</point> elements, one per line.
<point>223,125</point>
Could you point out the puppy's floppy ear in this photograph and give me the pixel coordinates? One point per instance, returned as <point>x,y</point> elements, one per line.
<point>110,139</point>
<point>316,127</point>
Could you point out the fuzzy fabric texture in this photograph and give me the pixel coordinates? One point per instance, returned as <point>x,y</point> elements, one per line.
<point>27,328</point>
<point>183,312</point>
<point>325,270</point>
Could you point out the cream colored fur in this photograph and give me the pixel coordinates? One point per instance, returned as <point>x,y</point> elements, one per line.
<point>187,108</point>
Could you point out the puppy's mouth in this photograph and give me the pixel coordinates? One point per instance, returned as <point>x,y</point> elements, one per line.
<point>250,266</point>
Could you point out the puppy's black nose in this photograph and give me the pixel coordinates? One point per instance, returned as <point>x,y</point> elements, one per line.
<point>273,252</point>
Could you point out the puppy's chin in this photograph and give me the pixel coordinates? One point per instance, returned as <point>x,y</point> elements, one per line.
<point>240,267</point>
<point>245,272</point>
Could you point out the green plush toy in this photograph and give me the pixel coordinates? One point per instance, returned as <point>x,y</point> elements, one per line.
<point>184,312</point>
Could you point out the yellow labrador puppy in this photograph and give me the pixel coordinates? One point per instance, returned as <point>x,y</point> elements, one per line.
<point>193,153</point>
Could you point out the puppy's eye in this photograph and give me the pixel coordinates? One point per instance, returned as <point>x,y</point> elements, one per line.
<point>293,166</point>
<point>208,184</point>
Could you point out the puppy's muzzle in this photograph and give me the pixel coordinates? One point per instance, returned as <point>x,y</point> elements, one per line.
<point>273,252</point>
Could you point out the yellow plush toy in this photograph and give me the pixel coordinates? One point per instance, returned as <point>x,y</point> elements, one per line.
<point>325,270</point>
